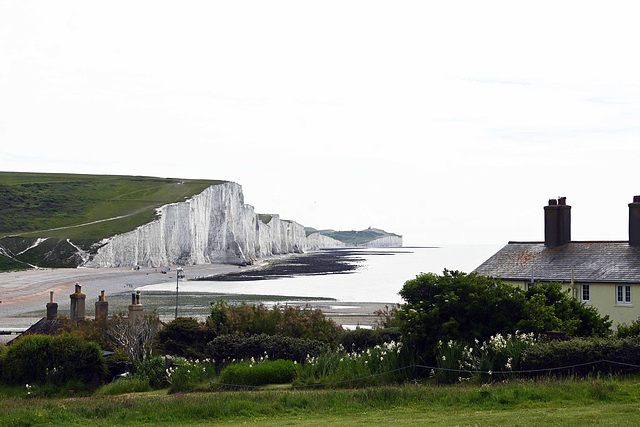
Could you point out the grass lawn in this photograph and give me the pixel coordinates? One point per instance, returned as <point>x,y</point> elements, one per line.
<point>608,401</point>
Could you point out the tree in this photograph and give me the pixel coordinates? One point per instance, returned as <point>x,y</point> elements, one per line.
<point>133,338</point>
<point>465,307</point>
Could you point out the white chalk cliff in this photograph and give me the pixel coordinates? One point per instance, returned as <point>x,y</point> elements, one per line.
<point>214,226</point>
<point>384,242</point>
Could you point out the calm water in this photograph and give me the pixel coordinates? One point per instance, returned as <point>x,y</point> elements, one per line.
<point>378,278</point>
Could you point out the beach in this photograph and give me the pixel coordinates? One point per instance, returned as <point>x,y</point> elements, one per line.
<point>26,292</point>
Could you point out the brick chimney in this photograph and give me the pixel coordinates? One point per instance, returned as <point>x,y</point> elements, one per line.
<point>52,308</point>
<point>136,311</point>
<point>557,223</point>
<point>634,222</point>
<point>102,307</point>
<point>77,303</point>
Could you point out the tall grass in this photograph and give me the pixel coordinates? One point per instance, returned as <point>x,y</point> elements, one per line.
<point>572,401</point>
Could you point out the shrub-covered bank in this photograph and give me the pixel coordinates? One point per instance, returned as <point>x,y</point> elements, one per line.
<point>444,332</point>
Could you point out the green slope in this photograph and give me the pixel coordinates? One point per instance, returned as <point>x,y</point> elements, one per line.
<point>83,208</point>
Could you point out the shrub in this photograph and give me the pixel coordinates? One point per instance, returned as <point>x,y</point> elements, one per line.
<point>188,375</point>
<point>459,306</point>
<point>344,368</point>
<point>261,373</point>
<point>362,339</point>
<point>185,337</point>
<point>76,359</point>
<point>153,371</point>
<point>55,359</point>
<point>578,355</point>
<point>3,355</point>
<point>458,361</point>
<point>234,347</point>
<point>628,331</point>
<point>294,322</point>
<point>27,360</point>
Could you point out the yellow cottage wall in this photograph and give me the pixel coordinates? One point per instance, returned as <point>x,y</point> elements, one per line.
<point>603,298</point>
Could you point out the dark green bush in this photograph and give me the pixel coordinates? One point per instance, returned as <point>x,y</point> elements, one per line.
<point>54,359</point>
<point>152,369</point>
<point>27,361</point>
<point>185,337</point>
<point>627,331</point>
<point>3,355</point>
<point>229,347</point>
<point>468,307</point>
<point>362,339</point>
<point>577,354</point>
<point>267,372</point>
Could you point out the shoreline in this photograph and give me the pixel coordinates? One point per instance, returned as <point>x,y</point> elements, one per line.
<point>28,291</point>
<point>24,294</point>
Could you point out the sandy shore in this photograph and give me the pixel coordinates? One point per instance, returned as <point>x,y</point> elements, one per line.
<point>24,294</point>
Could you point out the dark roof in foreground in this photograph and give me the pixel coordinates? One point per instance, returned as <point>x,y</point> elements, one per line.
<point>41,327</point>
<point>608,262</point>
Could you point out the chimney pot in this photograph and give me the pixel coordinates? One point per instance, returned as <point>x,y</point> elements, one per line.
<point>562,201</point>
<point>102,307</point>
<point>77,304</point>
<point>553,202</point>
<point>636,199</point>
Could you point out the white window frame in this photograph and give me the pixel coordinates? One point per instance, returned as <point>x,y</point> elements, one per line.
<point>623,295</point>
<point>586,288</point>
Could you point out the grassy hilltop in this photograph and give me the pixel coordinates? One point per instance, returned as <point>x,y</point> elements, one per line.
<point>83,208</point>
<point>353,237</point>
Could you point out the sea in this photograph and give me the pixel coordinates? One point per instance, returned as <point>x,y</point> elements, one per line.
<point>379,275</point>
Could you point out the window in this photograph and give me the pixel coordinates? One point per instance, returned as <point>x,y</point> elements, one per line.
<point>586,293</point>
<point>623,294</point>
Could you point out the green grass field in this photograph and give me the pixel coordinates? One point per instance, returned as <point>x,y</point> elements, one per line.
<point>83,208</point>
<point>606,401</point>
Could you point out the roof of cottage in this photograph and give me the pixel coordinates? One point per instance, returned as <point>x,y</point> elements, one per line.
<point>595,262</point>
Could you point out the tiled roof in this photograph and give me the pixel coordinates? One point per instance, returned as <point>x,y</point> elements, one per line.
<point>609,262</point>
<point>41,327</point>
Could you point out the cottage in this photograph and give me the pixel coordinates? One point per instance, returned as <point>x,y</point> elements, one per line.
<point>603,274</point>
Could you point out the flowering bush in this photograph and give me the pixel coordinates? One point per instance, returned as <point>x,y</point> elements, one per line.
<point>499,354</point>
<point>341,366</point>
<point>189,374</point>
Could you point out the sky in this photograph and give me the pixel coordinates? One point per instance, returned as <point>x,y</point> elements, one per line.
<point>450,122</point>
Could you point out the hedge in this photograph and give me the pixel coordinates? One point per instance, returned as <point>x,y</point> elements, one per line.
<point>230,347</point>
<point>579,354</point>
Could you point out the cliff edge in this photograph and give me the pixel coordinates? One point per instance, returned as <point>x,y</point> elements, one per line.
<point>214,226</point>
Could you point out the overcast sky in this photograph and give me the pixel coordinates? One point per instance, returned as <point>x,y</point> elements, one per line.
<point>446,122</point>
